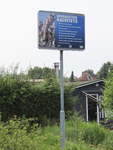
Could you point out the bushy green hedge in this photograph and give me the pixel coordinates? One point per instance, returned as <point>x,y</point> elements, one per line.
<point>19,97</point>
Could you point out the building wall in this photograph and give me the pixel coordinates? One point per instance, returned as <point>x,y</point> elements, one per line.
<point>80,105</point>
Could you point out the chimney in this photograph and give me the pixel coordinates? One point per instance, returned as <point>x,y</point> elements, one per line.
<point>56,65</point>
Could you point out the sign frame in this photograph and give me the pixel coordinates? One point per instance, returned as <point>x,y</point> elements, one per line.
<point>63,48</point>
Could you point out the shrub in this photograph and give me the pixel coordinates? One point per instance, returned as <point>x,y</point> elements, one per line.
<point>14,135</point>
<point>19,97</point>
<point>19,134</point>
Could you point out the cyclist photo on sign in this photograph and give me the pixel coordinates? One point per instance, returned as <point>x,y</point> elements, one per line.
<point>47,31</point>
<point>40,27</point>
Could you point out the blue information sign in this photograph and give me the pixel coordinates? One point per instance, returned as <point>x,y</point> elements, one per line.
<point>64,31</point>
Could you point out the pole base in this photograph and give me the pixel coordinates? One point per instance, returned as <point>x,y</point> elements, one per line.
<point>62,128</point>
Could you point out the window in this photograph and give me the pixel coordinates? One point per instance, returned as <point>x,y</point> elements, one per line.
<point>90,78</point>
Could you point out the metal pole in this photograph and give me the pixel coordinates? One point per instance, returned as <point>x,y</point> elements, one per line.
<point>62,113</point>
<point>87,108</point>
<point>97,111</point>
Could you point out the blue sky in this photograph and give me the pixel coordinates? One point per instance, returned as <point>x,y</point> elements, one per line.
<point>43,16</point>
<point>18,34</point>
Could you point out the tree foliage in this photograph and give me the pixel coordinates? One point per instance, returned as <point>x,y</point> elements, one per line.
<point>102,73</point>
<point>19,97</point>
<point>104,70</point>
<point>66,79</point>
<point>41,73</point>
<point>108,94</point>
<point>48,73</point>
<point>72,77</point>
<point>35,73</point>
<point>90,71</point>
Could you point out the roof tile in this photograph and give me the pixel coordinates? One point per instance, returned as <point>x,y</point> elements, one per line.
<point>86,77</point>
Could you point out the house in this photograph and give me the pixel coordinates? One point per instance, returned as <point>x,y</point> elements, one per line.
<point>90,99</point>
<point>36,81</point>
<point>85,77</point>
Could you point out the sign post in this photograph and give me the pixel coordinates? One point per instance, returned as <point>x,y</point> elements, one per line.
<point>57,30</point>
<point>62,112</point>
<point>61,31</point>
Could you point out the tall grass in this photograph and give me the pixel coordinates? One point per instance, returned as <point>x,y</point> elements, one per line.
<point>92,134</point>
<point>18,134</point>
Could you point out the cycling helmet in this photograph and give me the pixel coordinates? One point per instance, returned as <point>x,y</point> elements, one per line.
<point>52,14</point>
<point>41,21</point>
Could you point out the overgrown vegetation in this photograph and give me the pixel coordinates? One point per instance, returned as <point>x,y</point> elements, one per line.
<point>103,71</point>
<point>30,117</point>
<point>19,134</point>
<point>108,96</point>
<point>19,97</point>
<point>41,73</point>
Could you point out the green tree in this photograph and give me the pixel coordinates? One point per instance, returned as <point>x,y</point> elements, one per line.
<point>66,79</point>
<point>90,71</point>
<point>108,95</point>
<point>72,77</point>
<point>48,73</point>
<point>40,73</point>
<point>35,73</point>
<point>104,70</point>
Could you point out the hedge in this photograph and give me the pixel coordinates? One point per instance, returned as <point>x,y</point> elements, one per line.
<point>19,97</point>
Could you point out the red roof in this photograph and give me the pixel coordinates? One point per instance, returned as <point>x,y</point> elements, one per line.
<point>86,77</point>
